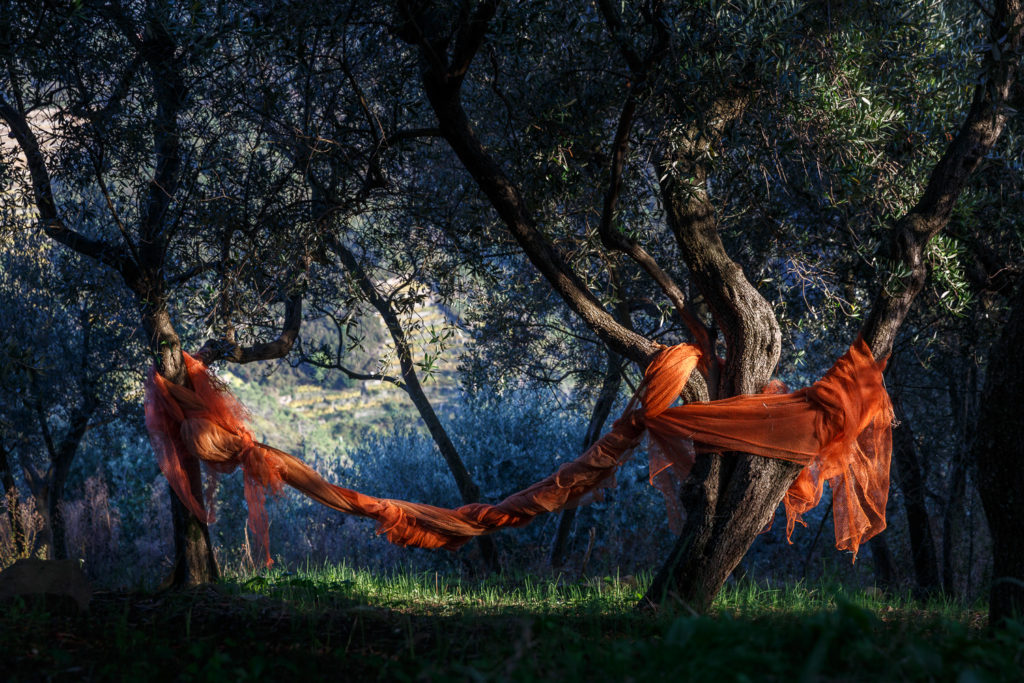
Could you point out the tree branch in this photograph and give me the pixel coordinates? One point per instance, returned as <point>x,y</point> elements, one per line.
<point>468,489</point>
<point>984,123</point>
<point>221,349</point>
<point>351,374</point>
<point>747,321</point>
<point>613,239</point>
<point>468,40</point>
<point>158,49</point>
<point>504,195</point>
<point>49,219</point>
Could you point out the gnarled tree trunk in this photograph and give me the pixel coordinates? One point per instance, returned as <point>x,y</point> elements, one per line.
<point>194,561</point>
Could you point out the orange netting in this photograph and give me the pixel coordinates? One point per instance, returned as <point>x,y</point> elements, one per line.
<point>838,429</point>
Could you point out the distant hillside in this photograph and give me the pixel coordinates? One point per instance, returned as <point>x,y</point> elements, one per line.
<point>307,407</point>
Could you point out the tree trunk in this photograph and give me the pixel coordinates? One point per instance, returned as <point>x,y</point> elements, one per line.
<point>737,495</point>
<point>952,523</point>
<point>911,480</point>
<point>39,486</point>
<point>194,561</point>
<point>885,566</point>
<point>468,489</point>
<point>61,467</point>
<point>999,452</point>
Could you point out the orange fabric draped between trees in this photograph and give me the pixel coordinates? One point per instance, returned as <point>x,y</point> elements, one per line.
<point>838,429</point>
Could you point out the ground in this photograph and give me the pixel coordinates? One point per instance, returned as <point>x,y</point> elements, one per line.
<point>348,625</point>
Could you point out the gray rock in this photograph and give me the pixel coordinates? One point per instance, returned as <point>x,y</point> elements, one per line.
<point>54,582</point>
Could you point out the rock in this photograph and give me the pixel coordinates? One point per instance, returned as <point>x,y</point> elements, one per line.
<point>55,582</point>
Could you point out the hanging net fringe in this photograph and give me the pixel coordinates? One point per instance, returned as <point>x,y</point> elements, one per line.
<point>838,429</point>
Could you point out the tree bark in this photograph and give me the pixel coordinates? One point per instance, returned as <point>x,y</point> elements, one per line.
<point>194,561</point>
<point>736,496</point>
<point>983,125</point>
<point>65,455</point>
<point>999,451</point>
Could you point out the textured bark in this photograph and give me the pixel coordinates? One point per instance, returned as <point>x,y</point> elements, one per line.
<point>732,500</point>
<point>999,451</point>
<point>732,506</point>
<point>220,349</point>
<point>194,561</point>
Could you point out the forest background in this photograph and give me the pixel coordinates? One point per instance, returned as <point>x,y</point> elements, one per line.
<point>432,246</point>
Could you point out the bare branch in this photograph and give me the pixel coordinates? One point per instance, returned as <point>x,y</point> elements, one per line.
<point>186,275</point>
<point>351,374</point>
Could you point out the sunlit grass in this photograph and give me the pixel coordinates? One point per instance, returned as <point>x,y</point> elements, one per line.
<point>439,594</point>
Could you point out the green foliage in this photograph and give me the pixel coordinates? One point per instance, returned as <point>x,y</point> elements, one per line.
<point>947,255</point>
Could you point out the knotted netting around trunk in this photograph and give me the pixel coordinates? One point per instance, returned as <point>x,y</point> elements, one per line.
<point>838,429</point>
